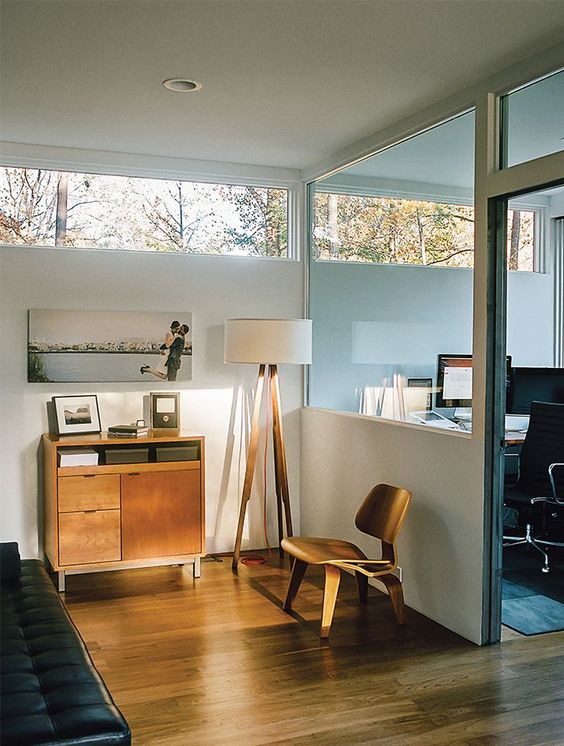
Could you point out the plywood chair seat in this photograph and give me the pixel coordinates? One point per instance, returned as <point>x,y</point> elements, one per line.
<point>315,550</point>
<point>381,515</point>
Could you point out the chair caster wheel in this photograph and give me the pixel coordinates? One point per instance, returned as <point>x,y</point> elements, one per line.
<point>546,570</point>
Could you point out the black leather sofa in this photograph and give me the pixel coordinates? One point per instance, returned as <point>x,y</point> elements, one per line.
<point>50,691</point>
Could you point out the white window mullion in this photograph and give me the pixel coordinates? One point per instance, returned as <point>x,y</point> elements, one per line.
<point>559,292</point>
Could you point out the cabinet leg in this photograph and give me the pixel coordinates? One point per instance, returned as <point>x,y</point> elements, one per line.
<point>197,567</point>
<point>61,581</point>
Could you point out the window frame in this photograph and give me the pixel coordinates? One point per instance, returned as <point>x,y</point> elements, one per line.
<point>503,120</point>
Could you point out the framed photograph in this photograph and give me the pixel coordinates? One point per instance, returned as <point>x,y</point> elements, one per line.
<point>419,394</point>
<point>165,411</point>
<point>77,415</point>
<point>109,346</point>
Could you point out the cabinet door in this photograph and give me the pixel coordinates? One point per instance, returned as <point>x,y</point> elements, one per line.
<point>161,514</point>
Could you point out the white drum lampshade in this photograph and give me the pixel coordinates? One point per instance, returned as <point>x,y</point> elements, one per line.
<point>268,341</point>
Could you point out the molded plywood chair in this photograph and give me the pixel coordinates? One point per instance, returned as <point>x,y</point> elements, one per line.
<point>381,515</point>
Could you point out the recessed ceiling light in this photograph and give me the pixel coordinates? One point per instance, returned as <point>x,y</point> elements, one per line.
<point>182,85</point>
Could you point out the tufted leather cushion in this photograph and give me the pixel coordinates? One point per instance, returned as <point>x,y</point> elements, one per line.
<point>51,693</point>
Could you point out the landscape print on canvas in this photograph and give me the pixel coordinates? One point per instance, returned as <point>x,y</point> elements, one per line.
<point>109,346</point>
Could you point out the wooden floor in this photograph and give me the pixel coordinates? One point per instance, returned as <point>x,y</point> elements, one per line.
<point>216,661</point>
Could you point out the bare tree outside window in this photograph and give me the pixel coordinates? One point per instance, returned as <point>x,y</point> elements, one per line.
<point>128,213</point>
<point>521,240</point>
<point>28,201</point>
<point>263,228</point>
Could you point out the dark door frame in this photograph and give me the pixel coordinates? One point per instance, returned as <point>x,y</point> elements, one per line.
<point>494,441</point>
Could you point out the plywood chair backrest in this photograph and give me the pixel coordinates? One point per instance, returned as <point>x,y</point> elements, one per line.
<point>383,512</point>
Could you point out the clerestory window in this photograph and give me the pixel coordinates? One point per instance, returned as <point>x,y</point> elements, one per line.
<point>390,230</point>
<point>67,209</point>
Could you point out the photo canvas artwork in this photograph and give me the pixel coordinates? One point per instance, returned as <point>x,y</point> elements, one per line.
<point>109,346</point>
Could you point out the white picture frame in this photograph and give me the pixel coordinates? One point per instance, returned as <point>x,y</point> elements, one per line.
<point>77,415</point>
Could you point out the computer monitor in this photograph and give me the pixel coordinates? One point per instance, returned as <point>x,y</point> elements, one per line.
<point>535,384</point>
<point>454,381</point>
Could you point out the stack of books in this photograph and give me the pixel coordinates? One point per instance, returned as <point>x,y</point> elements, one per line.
<point>127,431</point>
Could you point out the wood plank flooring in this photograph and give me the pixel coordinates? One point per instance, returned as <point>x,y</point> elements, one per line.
<point>216,661</point>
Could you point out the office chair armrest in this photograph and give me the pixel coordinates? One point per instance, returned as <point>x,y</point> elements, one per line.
<point>518,457</point>
<point>551,469</point>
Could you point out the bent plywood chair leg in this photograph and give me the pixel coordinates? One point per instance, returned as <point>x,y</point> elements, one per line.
<point>395,592</point>
<point>298,572</point>
<point>362,585</point>
<point>332,579</point>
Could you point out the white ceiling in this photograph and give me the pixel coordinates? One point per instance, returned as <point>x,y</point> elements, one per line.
<point>286,82</point>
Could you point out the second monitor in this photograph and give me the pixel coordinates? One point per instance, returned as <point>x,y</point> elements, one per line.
<point>454,381</point>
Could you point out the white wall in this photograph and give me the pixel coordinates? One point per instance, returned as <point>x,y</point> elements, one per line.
<point>440,547</point>
<point>530,318</point>
<point>213,289</point>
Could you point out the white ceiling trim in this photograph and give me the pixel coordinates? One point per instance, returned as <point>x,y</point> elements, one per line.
<point>27,155</point>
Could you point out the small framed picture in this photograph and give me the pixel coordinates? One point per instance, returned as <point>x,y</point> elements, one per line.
<point>165,411</point>
<point>77,414</point>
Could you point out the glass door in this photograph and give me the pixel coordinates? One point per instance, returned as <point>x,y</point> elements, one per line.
<point>527,550</point>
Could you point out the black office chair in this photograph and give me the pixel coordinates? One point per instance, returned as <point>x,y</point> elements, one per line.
<point>538,493</point>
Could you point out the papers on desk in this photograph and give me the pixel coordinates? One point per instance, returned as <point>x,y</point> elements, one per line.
<point>444,425</point>
<point>517,422</point>
<point>515,435</point>
<point>516,425</point>
<point>433,419</point>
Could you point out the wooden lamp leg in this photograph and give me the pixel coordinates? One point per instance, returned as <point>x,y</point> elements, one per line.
<point>250,468</point>
<point>280,467</point>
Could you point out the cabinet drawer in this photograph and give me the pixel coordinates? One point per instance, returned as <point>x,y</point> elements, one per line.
<point>89,537</point>
<point>91,492</point>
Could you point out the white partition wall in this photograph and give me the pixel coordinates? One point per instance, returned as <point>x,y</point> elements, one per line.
<point>440,547</point>
<point>446,549</point>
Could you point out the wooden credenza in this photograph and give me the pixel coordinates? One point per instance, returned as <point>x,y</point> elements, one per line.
<point>141,505</point>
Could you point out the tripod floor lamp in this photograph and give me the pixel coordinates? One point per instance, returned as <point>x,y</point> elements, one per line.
<point>266,343</point>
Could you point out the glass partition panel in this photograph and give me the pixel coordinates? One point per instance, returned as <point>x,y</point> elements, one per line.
<point>533,121</point>
<point>391,281</point>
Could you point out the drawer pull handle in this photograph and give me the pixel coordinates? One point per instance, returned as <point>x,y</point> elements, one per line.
<point>134,474</point>
<point>90,511</point>
<point>86,476</point>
